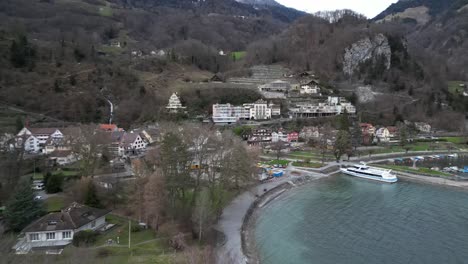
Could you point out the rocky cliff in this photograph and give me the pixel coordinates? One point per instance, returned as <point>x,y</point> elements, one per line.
<point>369,49</point>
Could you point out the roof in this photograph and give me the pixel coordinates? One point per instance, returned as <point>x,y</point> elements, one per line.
<point>60,153</point>
<point>392,129</point>
<point>108,127</point>
<point>42,130</point>
<point>73,217</point>
<point>129,138</point>
<point>366,125</point>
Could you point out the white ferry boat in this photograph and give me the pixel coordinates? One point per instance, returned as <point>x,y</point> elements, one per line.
<point>371,173</point>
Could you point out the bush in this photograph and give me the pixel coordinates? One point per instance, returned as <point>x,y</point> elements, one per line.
<point>84,238</point>
<point>136,228</point>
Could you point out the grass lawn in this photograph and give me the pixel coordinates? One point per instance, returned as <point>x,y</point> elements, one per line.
<point>121,231</point>
<point>309,154</point>
<point>277,162</point>
<point>455,140</point>
<point>308,164</point>
<point>105,11</point>
<point>416,171</point>
<point>239,55</point>
<point>454,87</point>
<point>54,203</point>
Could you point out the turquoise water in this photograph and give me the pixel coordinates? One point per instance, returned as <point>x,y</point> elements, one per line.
<point>354,221</point>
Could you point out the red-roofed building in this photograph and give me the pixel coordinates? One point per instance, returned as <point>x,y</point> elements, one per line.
<point>393,131</point>
<point>367,129</point>
<point>293,137</point>
<point>108,127</point>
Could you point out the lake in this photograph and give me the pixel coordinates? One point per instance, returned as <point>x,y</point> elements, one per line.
<point>343,219</point>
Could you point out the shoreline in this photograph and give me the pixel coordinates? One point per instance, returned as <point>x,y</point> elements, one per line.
<point>248,251</point>
<point>248,227</point>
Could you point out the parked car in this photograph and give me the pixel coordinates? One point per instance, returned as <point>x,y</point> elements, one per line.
<point>38,187</point>
<point>37,198</point>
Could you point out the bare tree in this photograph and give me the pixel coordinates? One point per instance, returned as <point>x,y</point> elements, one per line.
<point>202,213</point>
<point>324,140</point>
<point>88,146</point>
<point>154,199</point>
<point>278,147</point>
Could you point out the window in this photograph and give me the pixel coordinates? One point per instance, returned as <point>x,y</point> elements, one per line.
<point>50,236</point>
<point>34,237</point>
<point>66,234</point>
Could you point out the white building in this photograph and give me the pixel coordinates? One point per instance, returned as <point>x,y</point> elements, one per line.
<point>382,134</point>
<point>56,230</point>
<point>133,142</point>
<point>333,106</point>
<point>35,139</point>
<point>311,132</point>
<point>174,105</point>
<point>279,136</point>
<point>276,86</point>
<point>227,113</point>
<point>62,158</point>
<point>260,110</point>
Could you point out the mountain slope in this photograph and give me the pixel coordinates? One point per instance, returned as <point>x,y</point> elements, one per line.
<point>259,2</point>
<point>439,27</point>
<point>257,8</point>
<point>435,7</point>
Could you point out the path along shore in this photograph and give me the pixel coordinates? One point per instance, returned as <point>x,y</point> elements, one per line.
<point>238,211</point>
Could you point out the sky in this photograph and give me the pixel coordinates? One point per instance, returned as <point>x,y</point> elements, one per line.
<point>369,8</point>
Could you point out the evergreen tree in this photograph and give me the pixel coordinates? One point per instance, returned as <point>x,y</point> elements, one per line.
<point>22,209</point>
<point>91,198</point>
<point>344,123</point>
<point>53,183</point>
<point>19,123</point>
<point>22,54</point>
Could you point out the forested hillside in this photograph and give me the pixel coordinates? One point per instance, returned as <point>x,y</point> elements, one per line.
<point>78,53</point>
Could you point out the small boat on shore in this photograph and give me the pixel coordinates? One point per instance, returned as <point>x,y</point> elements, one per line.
<point>371,173</point>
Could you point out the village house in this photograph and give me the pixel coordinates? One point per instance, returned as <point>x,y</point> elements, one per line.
<point>276,86</point>
<point>151,135</point>
<point>54,231</point>
<point>368,133</point>
<point>311,132</point>
<point>260,110</point>
<point>62,157</point>
<point>42,134</point>
<point>275,90</point>
<point>310,88</point>
<point>259,136</point>
<point>108,127</point>
<point>423,127</point>
<point>367,129</point>
<point>333,106</point>
<point>382,135</point>
<point>306,89</point>
<point>175,106</point>
<point>293,137</point>
<point>279,136</point>
<point>133,143</point>
<point>393,132</point>
<point>44,140</point>
<point>120,143</point>
<point>115,43</point>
